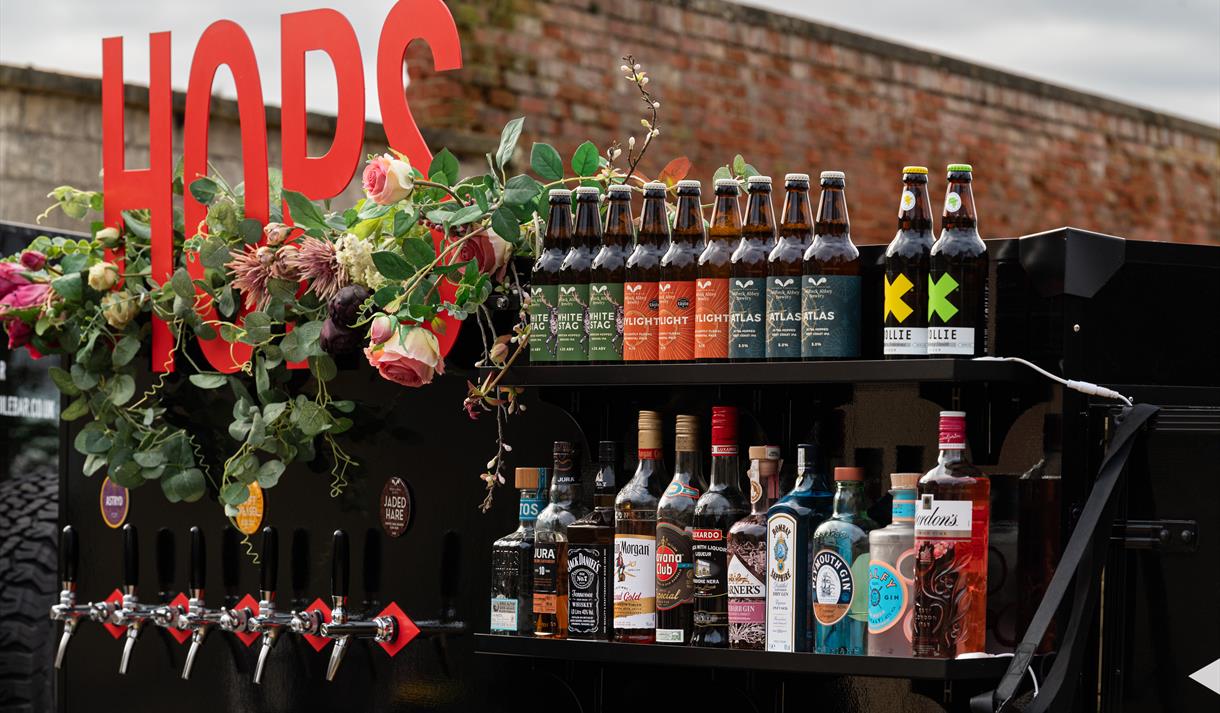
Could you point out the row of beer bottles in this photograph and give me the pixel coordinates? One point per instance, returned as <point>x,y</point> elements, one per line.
<point>752,289</point>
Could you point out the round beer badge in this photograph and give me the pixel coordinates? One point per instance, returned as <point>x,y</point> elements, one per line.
<point>396,507</point>
<point>114,501</point>
<point>952,202</point>
<point>250,513</point>
<point>908,200</point>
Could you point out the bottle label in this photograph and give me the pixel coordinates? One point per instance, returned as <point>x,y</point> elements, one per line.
<point>781,583</point>
<point>747,593</point>
<point>711,318</point>
<point>546,578</point>
<point>907,201</point>
<point>903,507</point>
<point>950,551</point>
<point>503,614</point>
<point>833,587</point>
<point>784,317</point>
<point>681,490</point>
<point>676,321</point>
<point>606,321</point>
<point>589,598</point>
<point>888,597</point>
<point>573,323</point>
<point>675,567</point>
<point>710,553</point>
<point>830,316</point>
<point>528,509</point>
<point>747,318</point>
<point>946,335</point>
<point>953,202</point>
<point>640,306</point>
<point>544,323</point>
<point>904,331</point>
<point>943,518</point>
<point>635,582</point>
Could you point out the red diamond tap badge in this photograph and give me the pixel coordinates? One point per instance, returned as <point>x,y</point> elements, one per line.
<point>404,632</point>
<point>116,597</point>
<point>318,642</point>
<point>181,603</point>
<point>247,602</point>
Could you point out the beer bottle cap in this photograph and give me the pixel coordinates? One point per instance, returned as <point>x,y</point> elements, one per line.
<point>904,481</point>
<point>797,177</point>
<point>960,168</point>
<point>527,478</point>
<point>758,180</point>
<point>689,183</point>
<point>655,186</point>
<point>834,175</point>
<point>587,191</point>
<point>842,473</point>
<point>619,191</point>
<point>726,183</point>
<point>915,169</point>
<point>560,193</point>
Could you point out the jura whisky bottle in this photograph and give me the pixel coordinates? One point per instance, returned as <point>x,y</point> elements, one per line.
<point>748,556</point>
<point>590,541</point>
<point>635,540</point>
<point>551,546</point>
<point>840,570</point>
<point>676,315</point>
<point>784,271</point>
<point>712,285</point>
<point>905,311</point>
<point>891,574</point>
<point>606,279</point>
<point>544,279</point>
<point>640,292</point>
<point>675,564</point>
<point>830,293</point>
<point>512,561</point>
<point>957,282</point>
<point>574,278</point>
<point>748,275</point>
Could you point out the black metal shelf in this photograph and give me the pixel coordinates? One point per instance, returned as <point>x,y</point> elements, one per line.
<point>655,654</point>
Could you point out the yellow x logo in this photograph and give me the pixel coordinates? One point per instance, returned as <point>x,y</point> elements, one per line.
<point>894,304</point>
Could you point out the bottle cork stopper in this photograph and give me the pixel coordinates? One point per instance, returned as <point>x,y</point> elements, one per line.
<point>527,478</point>
<point>904,481</point>
<point>842,473</point>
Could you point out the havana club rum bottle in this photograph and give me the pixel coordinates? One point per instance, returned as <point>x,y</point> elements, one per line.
<point>906,270</point>
<point>544,279</point>
<point>574,278</point>
<point>606,279</point>
<point>712,285</point>
<point>840,570</point>
<point>635,540</point>
<point>679,268</point>
<point>512,561</point>
<point>590,563</point>
<point>891,573</point>
<point>717,510</point>
<point>748,275</point>
<point>675,564</point>
<point>830,293</point>
<point>951,520</point>
<point>957,282</point>
<point>640,296</point>
<point>748,556</point>
<point>784,270</point>
<point>551,546</point>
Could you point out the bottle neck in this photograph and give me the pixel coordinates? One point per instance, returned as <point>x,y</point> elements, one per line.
<point>688,221</point>
<point>724,468</point>
<point>603,495</point>
<point>915,210</point>
<point>588,232</point>
<point>558,228</point>
<point>618,231</point>
<point>688,468</point>
<point>796,220</point>
<point>760,223</point>
<point>762,474</point>
<point>726,219</point>
<point>951,455</point>
<point>530,505</point>
<point>959,212</point>
<point>903,508</point>
<point>849,498</point>
<point>565,482</point>
<point>654,223</point>
<point>832,221</point>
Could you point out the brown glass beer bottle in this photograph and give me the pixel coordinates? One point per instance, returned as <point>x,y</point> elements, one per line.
<point>905,311</point>
<point>640,298</point>
<point>830,293</point>
<point>679,268</point>
<point>606,278</point>
<point>544,279</point>
<point>957,280</point>
<point>785,266</point>
<point>712,286</point>
<point>748,275</point>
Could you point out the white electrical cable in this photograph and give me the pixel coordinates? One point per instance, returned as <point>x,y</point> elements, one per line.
<point>1083,387</point>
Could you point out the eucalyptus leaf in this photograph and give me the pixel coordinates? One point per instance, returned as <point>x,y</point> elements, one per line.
<point>323,367</point>
<point>182,285</point>
<point>234,494</point>
<point>204,190</point>
<point>250,230</point>
<point>76,409</point>
<point>93,463</point>
<point>121,388</point>
<point>149,459</point>
<point>82,378</point>
<point>269,473</point>
<point>209,381</point>
<point>124,351</point>
<point>258,327</point>
<point>63,380</point>
<point>310,418</point>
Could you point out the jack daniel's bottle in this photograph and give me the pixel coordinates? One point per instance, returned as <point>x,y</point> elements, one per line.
<point>675,561</point>
<point>512,561</point>
<point>590,561</point>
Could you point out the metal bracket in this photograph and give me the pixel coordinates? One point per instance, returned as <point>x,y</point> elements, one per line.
<point>1160,535</point>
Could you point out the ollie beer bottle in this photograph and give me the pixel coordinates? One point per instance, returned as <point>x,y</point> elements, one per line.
<point>676,314</point>
<point>906,269</point>
<point>640,300</point>
<point>748,275</point>
<point>712,286</point>
<point>830,294</point>
<point>544,279</point>
<point>606,279</point>
<point>574,278</point>
<point>957,281</point>
<point>784,270</point>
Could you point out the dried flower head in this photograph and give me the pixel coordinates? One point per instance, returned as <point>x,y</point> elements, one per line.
<point>252,270</point>
<point>316,262</point>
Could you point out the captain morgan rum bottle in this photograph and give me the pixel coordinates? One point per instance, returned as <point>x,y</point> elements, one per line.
<point>635,539</point>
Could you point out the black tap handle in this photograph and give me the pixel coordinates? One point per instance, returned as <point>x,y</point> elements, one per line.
<point>67,554</point>
<point>165,560</point>
<point>131,556</point>
<point>338,559</point>
<point>199,560</point>
<point>270,557</point>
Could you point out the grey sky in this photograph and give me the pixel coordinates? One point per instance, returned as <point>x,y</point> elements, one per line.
<point>1163,54</point>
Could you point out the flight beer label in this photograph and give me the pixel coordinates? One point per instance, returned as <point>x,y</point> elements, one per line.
<point>635,582</point>
<point>747,318</point>
<point>711,318</point>
<point>830,316</point>
<point>640,305</point>
<point>784,317</point>
<point>606,321</point>
<point>676,321</point>
<point>544,323</point>
<point>946,335</point>
<point>573,320</point>
<point>589,598</point>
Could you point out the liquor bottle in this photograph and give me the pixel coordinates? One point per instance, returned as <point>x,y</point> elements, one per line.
<point>722,505</point>
<point>512,561</point>
<point>748,556</point>
<point>606,279</point>
<point>675,512</point>
<point>551,546</point>
<point>748,275</point>
<point>784,269</point>
<point>891,573</point>
<point>574,279</point>
<point>840,570</point>
<point>590,539</point>
<point>830,292</point>
<point>951,515</point>
<point>635,540</point>
<point>957,277</point>
<point>790,525</point>
<point>905,313</point>
<point>712,285</point>
<point>544,279</point>
<point>640,292</point>
<point>676,313</point>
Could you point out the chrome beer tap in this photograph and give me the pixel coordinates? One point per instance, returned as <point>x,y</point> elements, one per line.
<point>342,629</point>
<point>67,610</point>
<point>269,622</point>
<point>131,614</point>
<point>168,615</point>
<point>198,619</point>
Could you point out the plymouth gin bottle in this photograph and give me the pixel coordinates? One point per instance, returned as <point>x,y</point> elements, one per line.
<point>784,269</point>
<point>590,539</point>
<point>891,573</point>
<point>635,540</point>
<point>957,281</point>
<point>951,519</point>
<point>905,314</point>
<point>544,279</point>
<point>712,284</point>
<point>748,275</point>
<point>551,546</point>
<point>675,512</point>
<point>748,556</point>
<point>512,561</point>
<point>606,279</point>
<point>574,278</point>
<point>840,570</point>
<point>717,510</point>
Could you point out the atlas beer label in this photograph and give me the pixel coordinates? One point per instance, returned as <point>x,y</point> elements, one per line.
<point>784,317</point>
<point>641,303</point>
<point>676,321</point>
<point>589,598</point>
<point>781,583</point>
<point>606,321</point>
<point>546,578</point>
<point>747,318</point>
<point>573,323</point>
<point>830,316</point>
<point>711,318</point>
<point>833,587</point>
<point>904,333</point>
<point>710,552</point>
<point>544,323</point>
<point>635,582</point>
<point>503,614</point>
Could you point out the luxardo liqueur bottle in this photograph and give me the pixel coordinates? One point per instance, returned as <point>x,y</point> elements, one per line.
<point>640,291</point>
<point>957,281</point>
<point>840,570</point>
<point>679,268</point>
<point>951,527</point>
<point>675,563</point>
<point>830,292</point>
<point>748,275</point>
<point>784,270</point>
<point>544,279</point>
<point>905,311</point>
<point>635,539</point>
<point>748,555</point>
<point>891,573</point>
<point>574,278</point>
<point>512,561</point>
<point>590,559</point>
<point>606,278</point>
<point>551,546</point>
<point>712,285</point>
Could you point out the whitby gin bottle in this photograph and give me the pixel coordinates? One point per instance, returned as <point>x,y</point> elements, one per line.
<point>512,561</point>
<point>891,573</point>
<point>840,570</point>
<point>551,546</point>
<point>748,555</point>
<point>590,539</point>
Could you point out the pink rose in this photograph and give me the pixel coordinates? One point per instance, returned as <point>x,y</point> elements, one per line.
<point>409,359</point>
<point>11,277</point>
<point>478,246</point>
<point>33,260</point>
<point>503,250</point>
<point>382,329</point>
<point>18,333</point>
<point>24,297</point>
<point>387,180</point>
